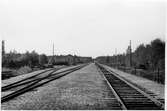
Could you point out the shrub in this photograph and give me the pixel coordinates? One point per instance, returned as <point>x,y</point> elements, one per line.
<point>23,70</point>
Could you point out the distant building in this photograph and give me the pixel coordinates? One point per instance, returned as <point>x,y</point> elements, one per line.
<point>85,59</point>
<point>102,59</point>
<point>69,59</point>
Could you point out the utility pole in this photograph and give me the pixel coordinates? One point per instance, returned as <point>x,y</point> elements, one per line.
<point>53,50</point>
<point>51,60</point>
<point>116,56</point>
<point>130,55</point>
<point>3,48</point>
<point>53,56</point>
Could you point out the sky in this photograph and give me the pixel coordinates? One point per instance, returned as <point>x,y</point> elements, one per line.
<point>82,27</point>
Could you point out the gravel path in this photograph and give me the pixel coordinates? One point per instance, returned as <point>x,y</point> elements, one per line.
<point>82,89</point>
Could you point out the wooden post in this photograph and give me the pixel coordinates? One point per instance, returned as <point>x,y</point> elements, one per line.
<point>130,55</point>
<point>158,75</point>
<point>135,70</point>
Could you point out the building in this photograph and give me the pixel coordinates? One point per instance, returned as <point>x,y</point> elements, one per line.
<point>68,59</point>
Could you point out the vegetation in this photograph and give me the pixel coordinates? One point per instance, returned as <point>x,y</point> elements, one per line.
<point>147,61</point>
<point>17,60</point>
<point>14,63</point>
<point>151,56</point>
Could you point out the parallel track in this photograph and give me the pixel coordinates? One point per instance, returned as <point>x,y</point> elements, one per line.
<point>37,82</point>
<point>26,80</point>
<point>129,96</point>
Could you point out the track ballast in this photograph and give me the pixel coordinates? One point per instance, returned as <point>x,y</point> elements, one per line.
<point>129,96</point>
<point>31,83</point>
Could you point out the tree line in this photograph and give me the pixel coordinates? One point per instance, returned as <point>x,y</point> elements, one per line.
<point>149,56</point>
<point>17,60</point>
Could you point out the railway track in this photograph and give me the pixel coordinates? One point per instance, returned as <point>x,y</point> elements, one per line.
<point>129,96</point>
<point>26,80</point>
<point>31,83</point>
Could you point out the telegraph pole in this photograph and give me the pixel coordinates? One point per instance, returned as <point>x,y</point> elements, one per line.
<point>53,56</point>
<point>130,54</point>
<point>116,56</point>
<point>53,50</point>
<point>3,48</point>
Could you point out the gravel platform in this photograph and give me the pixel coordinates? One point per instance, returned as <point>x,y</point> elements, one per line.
<point>149,85</point>
<point>84,89</point>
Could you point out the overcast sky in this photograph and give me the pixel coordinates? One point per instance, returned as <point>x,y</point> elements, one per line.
<point>82,27</point>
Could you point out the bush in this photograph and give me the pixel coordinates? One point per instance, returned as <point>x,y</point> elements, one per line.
<point>161,64</point>
<point>142,66</point>
<point>23,70</point>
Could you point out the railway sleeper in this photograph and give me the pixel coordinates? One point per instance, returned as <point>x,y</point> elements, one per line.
<point>128,89</point>
<point>142,105</point>
<point>119,84</point>
<point>143,108</point>
<point>127,97</point>
<point>123,89</point>
<point>139,102</point>
<point>135,93</point>
<point>131,94</point>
